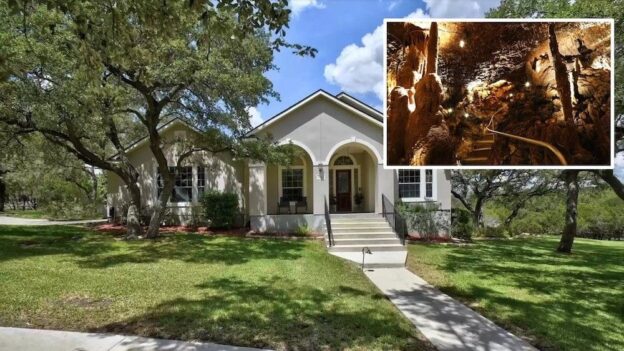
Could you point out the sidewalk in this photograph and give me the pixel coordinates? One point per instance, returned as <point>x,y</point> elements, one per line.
<point>13,339</point>
<point>448,324</point>
<point>6,220</point>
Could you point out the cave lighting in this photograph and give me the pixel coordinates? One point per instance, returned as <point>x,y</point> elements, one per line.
<point>527,84</point>
<point>510,94</point>
<point>462,43</point>
<point>450,110</point>
<point>466,115</point>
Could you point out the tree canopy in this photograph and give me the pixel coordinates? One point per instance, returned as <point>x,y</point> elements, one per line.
<point>88,75</point>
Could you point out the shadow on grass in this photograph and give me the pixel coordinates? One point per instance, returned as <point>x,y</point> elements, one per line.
<point>97,250</point>
<point>565,302</point>
<point>278,313</point>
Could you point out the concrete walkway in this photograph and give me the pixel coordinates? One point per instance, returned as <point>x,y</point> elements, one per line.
<point>51,340</point>
<point>448,324</point>
<point>6,220</point>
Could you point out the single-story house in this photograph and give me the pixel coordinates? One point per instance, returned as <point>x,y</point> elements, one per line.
<point>340,169</point>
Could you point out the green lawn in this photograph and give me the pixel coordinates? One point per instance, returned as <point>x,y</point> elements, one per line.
<point>281,294</point>
<point>32,214</point>
<point>562,302</point>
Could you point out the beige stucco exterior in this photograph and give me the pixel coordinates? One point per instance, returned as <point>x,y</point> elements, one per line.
<point>324,127</point>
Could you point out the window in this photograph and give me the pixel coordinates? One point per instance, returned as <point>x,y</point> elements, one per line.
<point>409,183</point>
<point>183,184</point>
<point>201,181</point>
<point>343,161</point>
<point>292,184</point>
<point>428,183</point>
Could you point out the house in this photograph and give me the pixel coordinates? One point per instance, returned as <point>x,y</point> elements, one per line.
<point>340,170</point>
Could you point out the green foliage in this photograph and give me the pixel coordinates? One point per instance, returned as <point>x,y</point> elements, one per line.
<point>599,214</point>
<point>220,208</point>
<point>461,224</point>
<point>303,230</point>
<point>425,219</point>
<point>498,232</point>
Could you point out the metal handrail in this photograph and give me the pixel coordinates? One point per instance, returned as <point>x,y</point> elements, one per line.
<point>394,218</point>
<point>330,235</point>
<point>536,142</point>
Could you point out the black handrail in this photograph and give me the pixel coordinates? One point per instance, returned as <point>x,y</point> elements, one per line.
<point>394,218</point>
<point>330,235</point>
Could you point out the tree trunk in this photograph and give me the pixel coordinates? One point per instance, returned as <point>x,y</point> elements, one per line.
<point>133,222</point>
<point>561,75</point>
<point>2,194</point>
<point>569,229</point>
<point>477,214</point>
<point>432,49</point>
<point>161,206</point>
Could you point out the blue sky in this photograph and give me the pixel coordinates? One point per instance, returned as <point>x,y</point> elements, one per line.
<point>348,37</point>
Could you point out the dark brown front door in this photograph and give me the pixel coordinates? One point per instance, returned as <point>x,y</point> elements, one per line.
<point>343,190</point>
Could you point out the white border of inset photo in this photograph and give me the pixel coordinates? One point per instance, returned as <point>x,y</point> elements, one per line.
<point>512,20</point>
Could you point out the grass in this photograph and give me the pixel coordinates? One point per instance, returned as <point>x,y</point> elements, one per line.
<point>281,294</point>
<point>30,214</point>
<point>560,302</point>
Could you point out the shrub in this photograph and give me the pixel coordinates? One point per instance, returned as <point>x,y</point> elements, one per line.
<point>220,208</point>
<point>461,224</point>
<point>426,219</point>
<point>303,230</point>
<point>491,232</point>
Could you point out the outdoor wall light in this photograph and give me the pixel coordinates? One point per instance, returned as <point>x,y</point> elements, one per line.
<point>321,172</point>
<point>365,251</point>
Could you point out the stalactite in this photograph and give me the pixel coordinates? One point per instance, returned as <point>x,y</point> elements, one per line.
<point>432,49</point>
<point>561,75</point>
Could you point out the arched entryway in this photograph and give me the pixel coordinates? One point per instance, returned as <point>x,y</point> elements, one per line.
<point>352,179</point>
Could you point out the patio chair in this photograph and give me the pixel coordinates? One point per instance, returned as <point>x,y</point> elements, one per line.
<point>283,203</point>
<point>302,202</point>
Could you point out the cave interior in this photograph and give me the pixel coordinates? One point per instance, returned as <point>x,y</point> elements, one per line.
<point>487,93</point>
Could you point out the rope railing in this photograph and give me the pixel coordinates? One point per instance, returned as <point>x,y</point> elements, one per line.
<point>536,142</point>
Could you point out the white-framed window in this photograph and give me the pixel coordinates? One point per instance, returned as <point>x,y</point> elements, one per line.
<point>292,183</point>
<point>428,183</point>
<point>201,181</point>
<point>409,184</point>
<point>182,186</point>
<point>416,184</point>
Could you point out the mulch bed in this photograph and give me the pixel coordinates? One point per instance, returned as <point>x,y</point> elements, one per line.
<point>118,229</point>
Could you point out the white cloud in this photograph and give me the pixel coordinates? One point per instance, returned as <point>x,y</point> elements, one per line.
<point>297,6</point>
<point>255,117</point>
<point>459,8</point>
<point>393,4</point>
<point>359,68</point>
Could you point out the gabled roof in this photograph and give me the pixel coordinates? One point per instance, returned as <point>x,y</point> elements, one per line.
<point>344,100</point>
<point>360,105</point>
<point>139,142</point>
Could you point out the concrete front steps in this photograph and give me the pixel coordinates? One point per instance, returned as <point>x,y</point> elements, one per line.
<point>353,232</point>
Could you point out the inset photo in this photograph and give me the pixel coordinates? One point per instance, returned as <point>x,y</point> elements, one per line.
<point>492,94</point>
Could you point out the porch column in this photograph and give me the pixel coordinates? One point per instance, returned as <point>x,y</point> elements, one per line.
<point>320,187</point>
<point>385,185</point>
<point>257,189</point>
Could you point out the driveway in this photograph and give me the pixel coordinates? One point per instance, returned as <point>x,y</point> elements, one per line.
<point>5,220</point>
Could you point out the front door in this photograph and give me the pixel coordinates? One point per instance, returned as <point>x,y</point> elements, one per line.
<point>343,190</point>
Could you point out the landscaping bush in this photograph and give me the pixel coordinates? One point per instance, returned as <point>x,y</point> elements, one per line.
<point>303,230</point>
<point>461,224</point>
<point>424,219</point>
<point>492,232</point>
<point>220,208</point>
